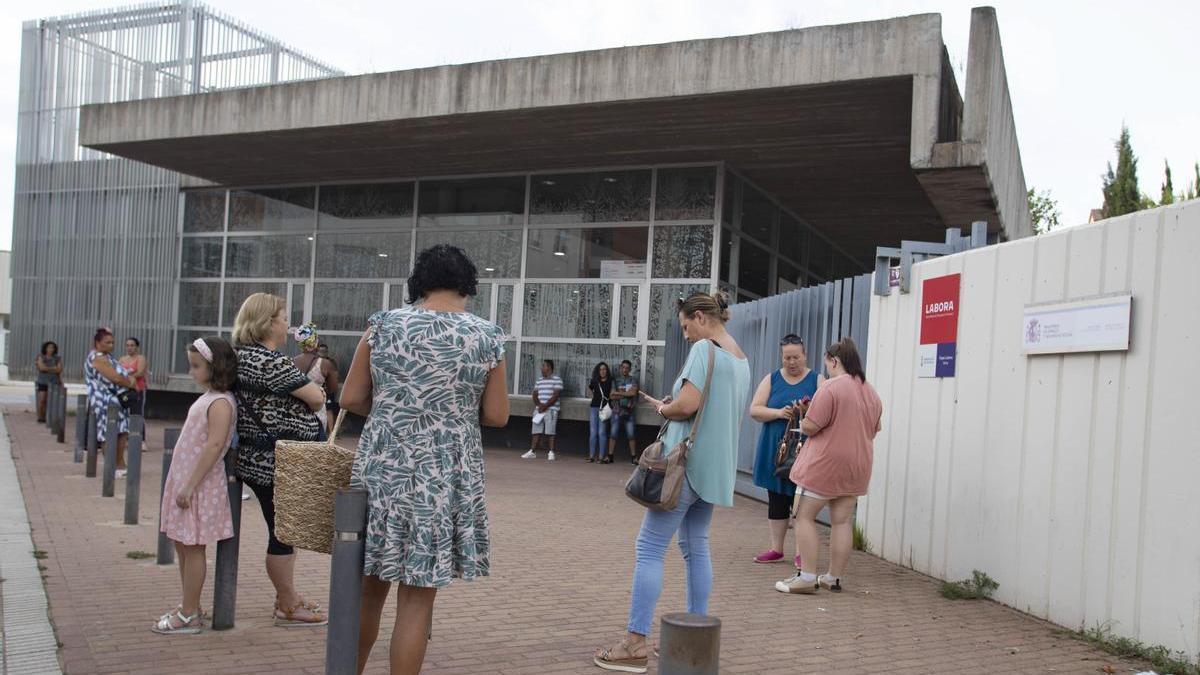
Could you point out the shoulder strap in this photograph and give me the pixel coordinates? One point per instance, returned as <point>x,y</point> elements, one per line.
<point>712,357</point>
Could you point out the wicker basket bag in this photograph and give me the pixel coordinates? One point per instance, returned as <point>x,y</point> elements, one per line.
<point>308,475</point>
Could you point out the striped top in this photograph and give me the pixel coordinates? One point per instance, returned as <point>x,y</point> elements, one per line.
<point>546,387</point>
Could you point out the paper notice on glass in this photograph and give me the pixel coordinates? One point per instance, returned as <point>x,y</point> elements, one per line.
<point>622,269</point>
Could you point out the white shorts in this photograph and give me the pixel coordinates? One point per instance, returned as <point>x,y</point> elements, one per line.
<point>805,492</point>
<point>549,423</point>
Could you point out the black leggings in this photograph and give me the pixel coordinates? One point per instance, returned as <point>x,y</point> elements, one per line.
<point>266,500</point>
<point>779,506</point>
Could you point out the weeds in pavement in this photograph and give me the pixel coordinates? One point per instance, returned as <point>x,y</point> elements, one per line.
<point>980,585</point>
<point>139,555</point>
<point>1164,660</point>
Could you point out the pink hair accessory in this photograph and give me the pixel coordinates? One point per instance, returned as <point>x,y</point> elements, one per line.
<point>202,348</point>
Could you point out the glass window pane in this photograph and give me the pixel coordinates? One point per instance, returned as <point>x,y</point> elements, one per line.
<point>204,211</point>
<point>683,252</point>
<point>363,256</point>
<point>593,253</point>
<point>298,291</point>
<point>685,194</point>
<point>481,304</point>
<point>758,215</point>
<point>345,306</point>
<point>198,304</point>
<point>504,309</point>
<point>272,210</point>
<point>496,253</point>
<point>729,199</point>
<point>844,267</point>
<point>820,258</point>
<point>754,269</point>
<point>270,256</point>
<point>603,197</point>
<point>663,307</point>
<point>510,364</point>
<point>654,383</point>
<point>726,253</point>
<point>473,201</point>
<point>627,324</point>
<point>567,310</point>
<point>383,206</point>
<point>201,257</point>
<point>793,238</point>
<point>183,338</point>
<point>236,294</point>
<point>573,362</point>
<point>341,351</point>
<point>397,296</point>
<point>787,277</point>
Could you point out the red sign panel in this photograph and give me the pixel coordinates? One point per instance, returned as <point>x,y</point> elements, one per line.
<point>939,310</point>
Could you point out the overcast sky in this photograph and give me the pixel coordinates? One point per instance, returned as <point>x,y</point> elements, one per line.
<point>1077,70</point>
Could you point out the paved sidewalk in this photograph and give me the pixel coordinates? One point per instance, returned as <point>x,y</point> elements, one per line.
<point>563,556</point>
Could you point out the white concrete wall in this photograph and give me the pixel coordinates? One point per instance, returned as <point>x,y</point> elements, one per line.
<point>1074,481</point>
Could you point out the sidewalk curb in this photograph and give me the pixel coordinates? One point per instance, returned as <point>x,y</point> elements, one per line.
<point>27,642</point>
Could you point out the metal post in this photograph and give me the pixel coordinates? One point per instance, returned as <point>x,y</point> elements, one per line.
<point>166,550</point>
<point>137,425</point>
<point>81,427</point>
<point>133,478</point>
<point>51,407</point>
<point>90,467</point>
<point>345,582</point>
<point>689,644</point>
<point>61,417</point>
<point>225,578</point>
<point>111,438</point>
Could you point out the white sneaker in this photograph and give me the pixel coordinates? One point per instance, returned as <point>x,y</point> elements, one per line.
<point>246,494</point>
<point>550,456</point>
<point>120,473</point>
<point>530,455</point>
<point>795,584</point>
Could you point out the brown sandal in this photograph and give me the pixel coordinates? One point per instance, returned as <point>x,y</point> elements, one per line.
<point>303,614</point>
<point>623,658</point>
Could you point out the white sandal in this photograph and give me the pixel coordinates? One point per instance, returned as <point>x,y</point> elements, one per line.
<point>188,625</point>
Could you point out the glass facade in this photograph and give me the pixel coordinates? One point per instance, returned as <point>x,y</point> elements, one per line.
<point>576,267</point>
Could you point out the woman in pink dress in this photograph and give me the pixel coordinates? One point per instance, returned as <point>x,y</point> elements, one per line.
<point>195,500</point>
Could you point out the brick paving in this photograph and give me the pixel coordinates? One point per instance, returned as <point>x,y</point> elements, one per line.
<point>563,556</point>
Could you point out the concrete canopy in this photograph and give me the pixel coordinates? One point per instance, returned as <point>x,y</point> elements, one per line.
<point>858,128</point>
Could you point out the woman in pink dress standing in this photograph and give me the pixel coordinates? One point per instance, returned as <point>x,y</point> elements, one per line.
<point>195,500</point>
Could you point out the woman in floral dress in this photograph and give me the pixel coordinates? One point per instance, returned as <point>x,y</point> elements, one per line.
<point>426,376</point>
<point>106,379</point>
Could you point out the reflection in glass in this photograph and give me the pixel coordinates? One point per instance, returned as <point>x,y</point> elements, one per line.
<point>383,206</point>
<point>198,303</point>
<point>183,338</point>
<point>237,292</point>
<point>268,256</point>
<point>683,252</point>
<point>627,323</point>
<point>496,253</point>
<point>510,365</point>
<point>655,383</point>
<point>573,362</point>
<point>793,238</point>
<point>298,304</point>
<point>480,304</point>
<point>363,256</point>
<point>567,310</point>
<point>820,258</point>
<point>758,215</point>
<point>504,308</point>
<point>602,197</point>
<point>787,277</point>
<point>473,201</point>
<point>663,305</point>
<point>603,252</point>
<point>754,269</point>
<point>397,296</point>
<point>685,193</point>
<point>271,210</point>
<point>204,211</point>
<point>345,306</point>
<point>201,257</point>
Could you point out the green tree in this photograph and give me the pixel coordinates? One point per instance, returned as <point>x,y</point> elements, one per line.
<point>1043,211</point>
<point>1121,193</point>
<point>1168,190</point>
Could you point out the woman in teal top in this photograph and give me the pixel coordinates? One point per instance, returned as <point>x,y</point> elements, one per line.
<point>780,395</point>
<point>711,468</point>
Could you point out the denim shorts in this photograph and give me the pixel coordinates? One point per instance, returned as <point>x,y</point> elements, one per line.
<point>626,422</point>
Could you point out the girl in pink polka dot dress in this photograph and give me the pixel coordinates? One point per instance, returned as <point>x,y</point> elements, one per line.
<point>195,501</point>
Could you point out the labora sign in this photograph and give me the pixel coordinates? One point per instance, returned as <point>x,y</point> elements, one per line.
<point>939,307</point>
<point>939,326</point>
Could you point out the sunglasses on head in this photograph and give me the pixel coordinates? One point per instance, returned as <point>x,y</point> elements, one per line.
<point>791,339</point>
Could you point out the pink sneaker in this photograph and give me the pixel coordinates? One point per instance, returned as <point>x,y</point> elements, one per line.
<point>768,557</point>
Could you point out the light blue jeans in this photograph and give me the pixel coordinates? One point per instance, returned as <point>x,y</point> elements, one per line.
<point>597,435</point>
<point>691,519</point>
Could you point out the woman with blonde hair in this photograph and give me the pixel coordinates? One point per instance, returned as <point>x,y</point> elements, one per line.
<point>711,469</point>
<point>275,401</point>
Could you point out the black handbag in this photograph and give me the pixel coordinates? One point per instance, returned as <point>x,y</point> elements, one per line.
<point>789,448</point>
<point>125,398</point>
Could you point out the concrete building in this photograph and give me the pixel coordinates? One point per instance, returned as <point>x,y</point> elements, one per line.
<point>590,188</point>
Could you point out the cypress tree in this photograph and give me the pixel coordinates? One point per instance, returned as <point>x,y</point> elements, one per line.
<point>1168,190</point>
<point>1121,194</point>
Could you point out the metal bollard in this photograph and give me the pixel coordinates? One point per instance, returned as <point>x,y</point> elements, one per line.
<point>111,439</point>
<point>81,427</point>
<point>345,582</point>
<point>166,550</point>
<point>51,407</point>
<point>689,644</point>
<point>92,451</point>
<point>133,478</point>
<point>225,577</point>
<point>61,417</point>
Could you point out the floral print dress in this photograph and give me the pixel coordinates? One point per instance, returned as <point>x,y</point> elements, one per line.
<point>102,392</point>
<point>420,456</point>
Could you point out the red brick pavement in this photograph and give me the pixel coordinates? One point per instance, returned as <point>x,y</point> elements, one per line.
<point>562,563</point>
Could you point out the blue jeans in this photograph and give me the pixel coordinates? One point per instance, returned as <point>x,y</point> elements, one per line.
<point>691,519</point>
<point>597,435</point>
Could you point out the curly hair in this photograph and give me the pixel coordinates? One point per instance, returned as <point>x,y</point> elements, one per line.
<point>224,364</point>
<point>253,322</point>
<point>442,267</point>
<point>46,345</point>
